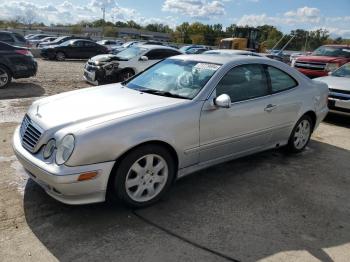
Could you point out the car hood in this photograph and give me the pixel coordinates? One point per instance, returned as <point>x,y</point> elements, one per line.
<point>321,59</point>
<point>103,59</point>
<point>334,82</point>
<point>94,105</point>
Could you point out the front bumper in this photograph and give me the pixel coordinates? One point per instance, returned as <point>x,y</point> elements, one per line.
<point>337,105</point>
<point>60,182</point>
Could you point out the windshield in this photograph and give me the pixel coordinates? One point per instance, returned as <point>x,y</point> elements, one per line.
<point>128,44</point>
<point>177,78</point>
<point>332,51</point>
<point>343,71</point>
<point>130,52</point>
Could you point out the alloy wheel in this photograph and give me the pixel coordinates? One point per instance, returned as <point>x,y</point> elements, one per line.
<point>4,78</point>
<point>302,134</point>
<point>146,178</point>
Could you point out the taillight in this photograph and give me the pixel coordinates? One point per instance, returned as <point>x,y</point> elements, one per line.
<point>24,52</point>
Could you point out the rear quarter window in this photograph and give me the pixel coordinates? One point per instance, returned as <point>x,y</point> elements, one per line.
<point>280,80</point>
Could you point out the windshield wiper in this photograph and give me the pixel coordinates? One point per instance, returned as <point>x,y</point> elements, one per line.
<point>162,93</point>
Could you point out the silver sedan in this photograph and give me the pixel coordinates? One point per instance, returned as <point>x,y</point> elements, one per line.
<point>133,139</point>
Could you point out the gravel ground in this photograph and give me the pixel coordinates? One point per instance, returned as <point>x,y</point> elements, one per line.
<point>266,207</point>
<point>53,77</point>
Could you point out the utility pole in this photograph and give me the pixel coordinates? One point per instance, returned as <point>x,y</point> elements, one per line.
<point>103,25</point>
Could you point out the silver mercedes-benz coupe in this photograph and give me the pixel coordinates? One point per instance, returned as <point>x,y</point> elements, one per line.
<point>133,139</point>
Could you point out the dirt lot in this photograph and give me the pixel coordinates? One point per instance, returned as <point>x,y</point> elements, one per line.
<point>53,77</point>
<point>266,207</point>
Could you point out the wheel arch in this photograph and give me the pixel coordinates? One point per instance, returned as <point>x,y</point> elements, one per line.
<point>313,117</point>
<point>6,67</point>
<point>151,142</point>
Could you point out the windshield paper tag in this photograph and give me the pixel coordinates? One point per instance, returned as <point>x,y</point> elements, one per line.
<point>206,66</point>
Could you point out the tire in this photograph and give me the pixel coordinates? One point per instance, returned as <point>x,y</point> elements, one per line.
<point>125,75</point>
<point>137,185</point>
<point>300,135</point>
<point>60,56</point>
<point>5,77</point>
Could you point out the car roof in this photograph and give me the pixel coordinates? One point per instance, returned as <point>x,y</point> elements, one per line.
<point>229,51</point>
<point>208,58</point>
<point>158,47</point>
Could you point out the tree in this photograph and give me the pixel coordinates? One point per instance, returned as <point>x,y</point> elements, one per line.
<point>76,29</point>
<point>29,18</point>
<point>110,31</point>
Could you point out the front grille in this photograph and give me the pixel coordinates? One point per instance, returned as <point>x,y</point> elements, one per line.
<point>30,134</point>
<point>339,94</point>
<point>310,65</point>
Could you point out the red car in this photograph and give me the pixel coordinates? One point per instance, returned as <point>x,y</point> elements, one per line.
<point>323,60</point>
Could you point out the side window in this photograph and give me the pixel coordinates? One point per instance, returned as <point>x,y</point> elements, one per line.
<point>243,83</point>
<point>7,38</point>
<point>153,55</point>
<point>167,53</point>
<point>89,44</point>
<point>280,80</point>
<point>78,44</point>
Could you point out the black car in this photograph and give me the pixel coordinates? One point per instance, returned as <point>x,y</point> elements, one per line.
<point>13,38</point>
<point>15,62</point>
<point>78,48</point>
<point>61,40</point>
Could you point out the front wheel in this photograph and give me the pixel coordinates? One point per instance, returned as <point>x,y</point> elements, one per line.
<point>5,77</point>
<point>144,176</point>
<point>301,134</point>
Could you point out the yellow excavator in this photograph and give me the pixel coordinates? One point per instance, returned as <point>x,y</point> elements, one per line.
<point>244,38</point>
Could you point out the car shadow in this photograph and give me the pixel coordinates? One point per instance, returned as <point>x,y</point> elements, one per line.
<point>248,209</point>
<point>21,89</point>
<point>338,119</point>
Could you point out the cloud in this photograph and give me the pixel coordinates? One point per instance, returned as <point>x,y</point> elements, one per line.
<point>303,17</point>
<point>68,12</point>
<point>200,9</point>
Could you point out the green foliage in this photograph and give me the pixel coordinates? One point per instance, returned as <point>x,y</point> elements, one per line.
<point>76,29</point>
<point>110,31</point>
<point>197,33</point>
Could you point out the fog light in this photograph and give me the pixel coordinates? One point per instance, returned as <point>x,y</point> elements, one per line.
<point>87,176</point>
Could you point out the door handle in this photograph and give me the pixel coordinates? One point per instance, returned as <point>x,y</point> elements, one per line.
<point>270,107</point>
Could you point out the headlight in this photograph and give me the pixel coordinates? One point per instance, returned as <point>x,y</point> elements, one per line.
<point>64,149</point>
<point>49,148</point>
<point>331,67</point>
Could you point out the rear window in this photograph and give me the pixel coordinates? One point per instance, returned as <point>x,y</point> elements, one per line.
<point>5,37</point>
<point>19,37</point>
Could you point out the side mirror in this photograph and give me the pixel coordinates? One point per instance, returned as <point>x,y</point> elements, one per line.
<point>329,73</point>
<point>143,58</point>
<point>223,101</point>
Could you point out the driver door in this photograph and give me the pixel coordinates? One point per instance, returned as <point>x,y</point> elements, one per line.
<point>243,128</point>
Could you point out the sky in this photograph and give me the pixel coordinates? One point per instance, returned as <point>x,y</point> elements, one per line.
<point>333,15</point>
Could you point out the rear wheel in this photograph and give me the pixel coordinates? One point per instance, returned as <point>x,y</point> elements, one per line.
<point>144,176</point>
<point>5,77</point>
<point>301,134</point>
<point>60,56</point>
